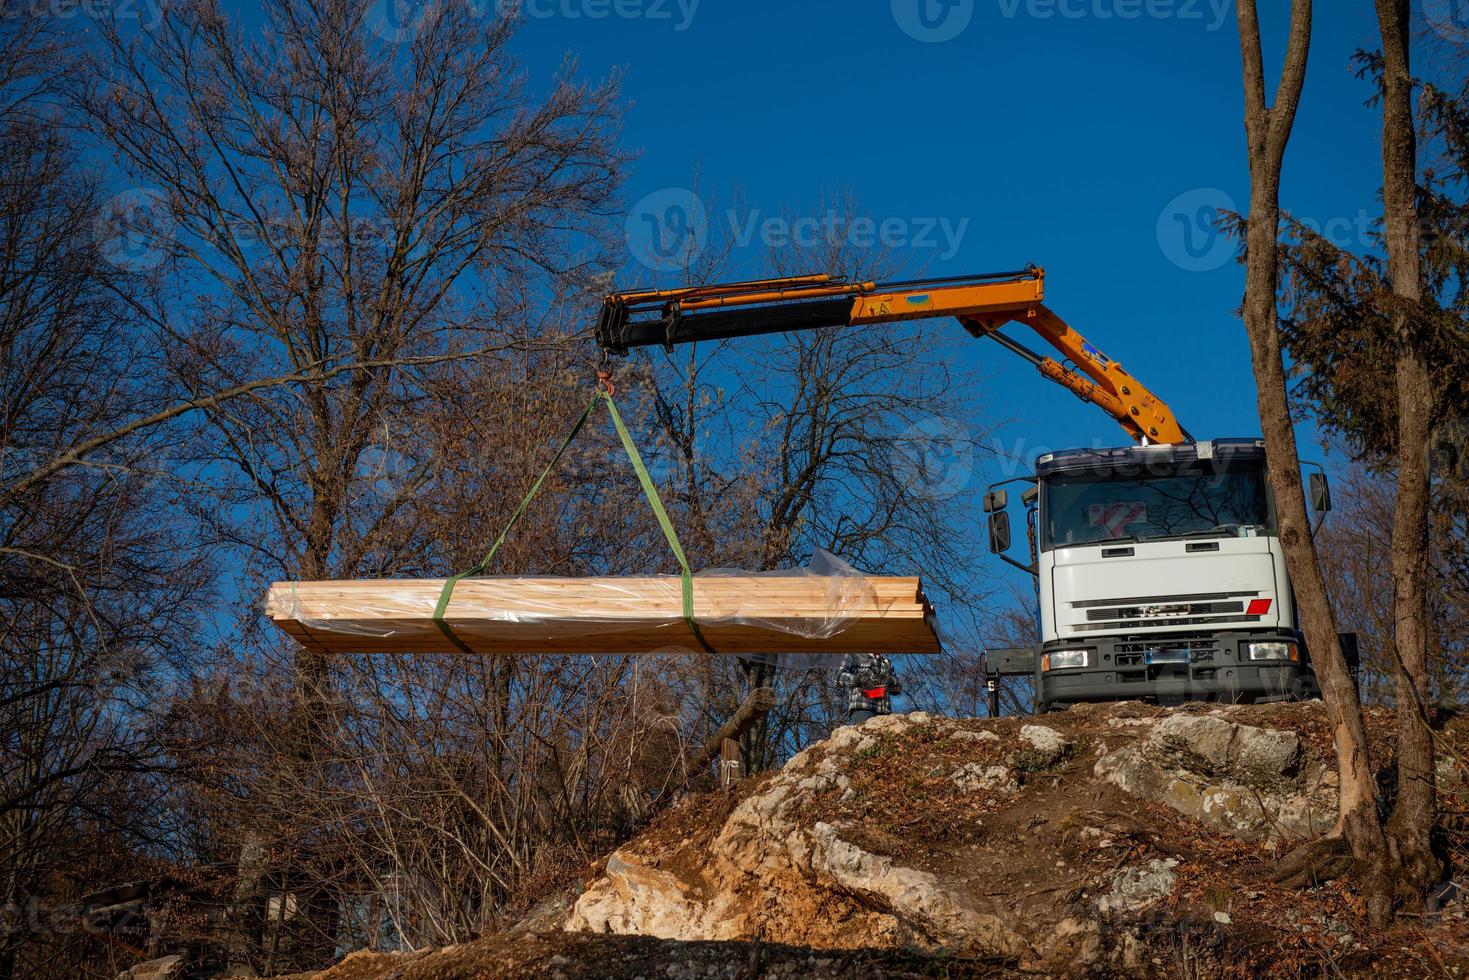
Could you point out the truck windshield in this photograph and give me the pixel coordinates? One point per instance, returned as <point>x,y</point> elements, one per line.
<point>1196,499</point>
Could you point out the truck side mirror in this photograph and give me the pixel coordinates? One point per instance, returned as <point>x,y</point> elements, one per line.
<point>995,501</point>
<point>1030,496</point>
<point>1320,493</point>
<point>999,532</point>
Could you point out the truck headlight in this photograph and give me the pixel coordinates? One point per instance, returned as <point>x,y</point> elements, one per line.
<point>1065,660</point>
<point>1280,652</point>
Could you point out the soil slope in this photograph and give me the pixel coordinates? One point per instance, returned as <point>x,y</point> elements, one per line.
<point>1110,840</point>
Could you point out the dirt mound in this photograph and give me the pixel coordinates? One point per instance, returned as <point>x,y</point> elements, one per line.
<point>1107,840</point>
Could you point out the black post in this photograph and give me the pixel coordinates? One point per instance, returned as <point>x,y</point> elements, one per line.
<point>758,675</point>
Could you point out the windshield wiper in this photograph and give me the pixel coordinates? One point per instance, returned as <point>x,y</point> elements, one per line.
<point>1223,531</point>
<point>1101,542</point>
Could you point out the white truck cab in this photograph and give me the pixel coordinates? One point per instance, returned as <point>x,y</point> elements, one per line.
<point>1160,577</point>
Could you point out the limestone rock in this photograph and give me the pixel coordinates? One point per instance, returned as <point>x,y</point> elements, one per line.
<point>639,900</point>
<point>967,736</point>
<point>886,723</point>
<point>918,898</point>
<point>1047,744</point>
<point>1255,783</point>
<point>162,968</point>
<point>973,777</point>
<point>835,850</point>
<point>771,860</point>
<point>1134,889</point>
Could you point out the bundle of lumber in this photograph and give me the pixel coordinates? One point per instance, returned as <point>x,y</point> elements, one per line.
<point>756,614</point>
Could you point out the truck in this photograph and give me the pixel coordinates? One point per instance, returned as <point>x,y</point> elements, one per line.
<point>1157,566</point>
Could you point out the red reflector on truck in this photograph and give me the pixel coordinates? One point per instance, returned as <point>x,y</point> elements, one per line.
<point>1258,607</point>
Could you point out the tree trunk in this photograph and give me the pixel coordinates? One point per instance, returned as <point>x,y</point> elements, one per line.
<point>1413,816</point>
<point>1268,132</point>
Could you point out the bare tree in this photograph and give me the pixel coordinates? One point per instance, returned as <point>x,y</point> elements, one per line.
<point>322,197</point>
<point>1267,129</point>
<point>1356,553</point>
<point>1412,821</point>
<point>98,589</point>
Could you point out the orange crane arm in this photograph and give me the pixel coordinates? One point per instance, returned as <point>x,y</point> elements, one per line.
<point>983,304</point>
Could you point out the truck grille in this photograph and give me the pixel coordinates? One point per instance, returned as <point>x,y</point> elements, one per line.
<point>1177,610</point>
<point>1132,651</point>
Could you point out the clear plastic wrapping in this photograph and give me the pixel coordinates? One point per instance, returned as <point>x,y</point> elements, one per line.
<point>816,603</point>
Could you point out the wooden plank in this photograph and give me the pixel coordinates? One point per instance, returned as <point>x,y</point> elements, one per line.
<point>736,614</point>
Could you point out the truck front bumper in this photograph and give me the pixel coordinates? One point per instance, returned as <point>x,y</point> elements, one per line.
<point>1172,670</point>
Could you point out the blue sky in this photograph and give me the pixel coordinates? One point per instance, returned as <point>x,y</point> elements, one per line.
<point>1069,133</point>
<point>1094,137</point>
<point>1060,132</point>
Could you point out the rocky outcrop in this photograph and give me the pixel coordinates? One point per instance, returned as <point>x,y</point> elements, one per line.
<point>1009,838</point>
<point>798,881</point>
<point>1255,783</point>
<point>768,870</point>
<point>1110,840</point>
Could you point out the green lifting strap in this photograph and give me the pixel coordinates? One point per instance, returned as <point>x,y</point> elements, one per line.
<point>656,503</point>
<point>649,491</point>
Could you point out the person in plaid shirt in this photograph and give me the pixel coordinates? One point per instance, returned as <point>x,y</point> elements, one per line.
<point>871,683</point>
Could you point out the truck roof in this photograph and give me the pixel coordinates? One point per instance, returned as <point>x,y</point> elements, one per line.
<point>1078,460</point>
